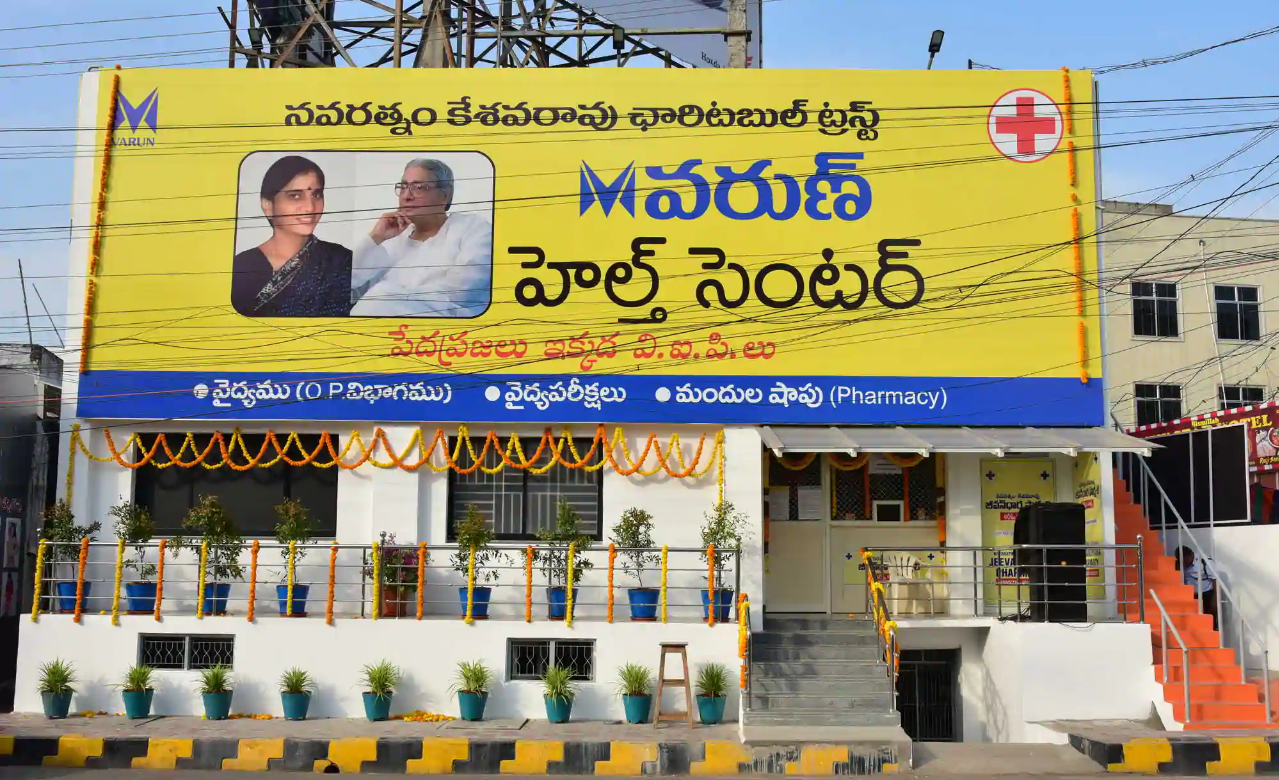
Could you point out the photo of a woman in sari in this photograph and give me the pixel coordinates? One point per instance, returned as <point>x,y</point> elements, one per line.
<point>293,273</point>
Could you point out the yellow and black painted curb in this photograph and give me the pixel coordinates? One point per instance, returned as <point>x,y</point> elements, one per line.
<point>447,755</point>
<point>1192,754</point>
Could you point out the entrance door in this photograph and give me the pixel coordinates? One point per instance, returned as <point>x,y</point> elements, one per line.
<point>798,511</point>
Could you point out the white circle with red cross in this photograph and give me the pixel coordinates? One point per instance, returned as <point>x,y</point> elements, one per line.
<point>1025,125</point>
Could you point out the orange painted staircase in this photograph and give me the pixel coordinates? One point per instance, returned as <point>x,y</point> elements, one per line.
<point>1218,696</point>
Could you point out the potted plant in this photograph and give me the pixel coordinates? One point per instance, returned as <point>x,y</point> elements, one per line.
<point>293,524</point>
<point>634,535</point>
<point>474,533</point>
<point>209,523</point>
<point>134,524</point>
<point>215,690</point>
<point>55,686</point>
<point>137,691</point>
<point>725,528</point>
<point>379,680</point>
<point>296,687</point>
<point>554,560</point>
<point>65,536</point>
<point>558,689</point>
<point>711,691</point>
<point>635,683</point>
<point>472,688</point>
<point>399,575</point>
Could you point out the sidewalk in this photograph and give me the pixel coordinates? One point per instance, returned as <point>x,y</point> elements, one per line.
<point>452,747</point>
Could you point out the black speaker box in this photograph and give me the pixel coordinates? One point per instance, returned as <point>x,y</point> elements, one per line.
<point>1058,578</point>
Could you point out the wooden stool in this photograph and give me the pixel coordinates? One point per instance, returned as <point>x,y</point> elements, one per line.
<point>680,649</point>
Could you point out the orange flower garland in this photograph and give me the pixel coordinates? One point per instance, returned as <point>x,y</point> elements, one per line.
<point>159,581</point>
<point>333,567</point>
<point>421,576</point>
<point>79,585</point>
<point>1068,112</point>
<point>904,461</point>
<point>99,216</point>
<point>528,584</point>
<point>612,556</point>
<point>253,578</point>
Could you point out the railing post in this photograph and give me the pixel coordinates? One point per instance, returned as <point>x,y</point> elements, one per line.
<point>1141,581</point>
<point>1265,679</point>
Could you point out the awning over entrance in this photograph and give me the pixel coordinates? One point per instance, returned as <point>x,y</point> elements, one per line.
<point>925,441</point>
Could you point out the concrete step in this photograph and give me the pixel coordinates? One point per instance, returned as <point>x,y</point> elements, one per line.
<point>813,639</point>
<point>870,702</point>
<point>775,653</point>
<point>1220,712</point>
<point>815,623</point>
<point>1205,656</point>
<point>819,717</point>
<point>830,686</point>
<point>1209,693</point>
<point>859,670</point>
<point>1199,674</point>
<point>1192,639</point>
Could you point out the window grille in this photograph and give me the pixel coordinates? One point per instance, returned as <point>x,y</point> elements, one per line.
<point>182,652</point>
<point>527,659</point>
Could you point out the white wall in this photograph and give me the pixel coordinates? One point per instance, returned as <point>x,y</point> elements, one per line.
<point>426,651</point>
<point>1245,558</point>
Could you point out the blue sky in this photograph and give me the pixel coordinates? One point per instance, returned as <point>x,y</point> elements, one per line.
<point>35,168</point>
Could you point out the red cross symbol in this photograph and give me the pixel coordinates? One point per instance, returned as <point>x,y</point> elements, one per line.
<point>1025,125</point>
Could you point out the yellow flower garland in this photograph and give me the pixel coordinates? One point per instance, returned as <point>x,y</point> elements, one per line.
<point>470,589</point>
<point>119,569</point>
<point>377,581</point>
<point>568,591</point>
<point>35,600</point>
<point>79,586</point>
<point>293,555</point>
<point>665,555</point>
<point>612,556</point>
<point>199,587</point>
<point>253,579</point>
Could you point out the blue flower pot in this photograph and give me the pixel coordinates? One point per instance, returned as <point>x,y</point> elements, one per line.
<point>137,704</point>
<point>643,603</point>
<point>472,705</point>
<point>723,604</point>
<point>479,602</point>
<point>295,705</point>
<point>637,708</point>
<point>56,705</point>
<point>299,599</point>
<point>558,710</point>
<point>556,602</point>
<point>215,596</point>
<point>141,597</point>
<point>66,595</point>
<point>217,706</point>
<point>710,709</point>
<point>377,707</point>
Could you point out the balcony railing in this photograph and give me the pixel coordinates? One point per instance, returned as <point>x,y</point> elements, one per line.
<point>337,581</point>
<point>921,582</point>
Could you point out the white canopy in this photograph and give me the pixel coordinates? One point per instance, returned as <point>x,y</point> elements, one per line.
<point>925,441</point>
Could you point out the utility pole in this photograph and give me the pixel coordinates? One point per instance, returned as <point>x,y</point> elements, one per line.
<point>22,279</point>
<point>737,43</point>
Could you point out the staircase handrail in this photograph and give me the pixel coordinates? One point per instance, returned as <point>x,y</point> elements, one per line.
<point>885,626</point>
<point>1165,623</point>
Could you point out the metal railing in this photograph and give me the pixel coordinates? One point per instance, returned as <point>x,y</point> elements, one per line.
<point>1006,581</point>
<point>337,581</point>
<point>1175,533</point>
<point>885,626</point>
<point>1165,623</point>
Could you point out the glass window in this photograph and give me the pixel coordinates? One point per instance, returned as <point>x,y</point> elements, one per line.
<point>1238,312</point>
<point>1232,396</point>
<point>1157,403</point>
<point>1154,309</point>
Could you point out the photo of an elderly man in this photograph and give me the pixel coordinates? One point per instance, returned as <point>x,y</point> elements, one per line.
<point>423,259</point>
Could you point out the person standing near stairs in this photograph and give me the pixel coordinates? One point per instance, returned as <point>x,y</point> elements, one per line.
<point>1194,572</point>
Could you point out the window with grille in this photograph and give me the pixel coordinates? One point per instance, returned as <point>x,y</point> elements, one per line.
<point>1154,309</point>
<point>249,496</point>
<point>182,652</point>
<point>1157,403</point>
<point>1238,312</point>
<point>518,503</point>
<point>780,475</point>
<point>881,491</point>
<point>1232,396</point>
<point>527,659</point>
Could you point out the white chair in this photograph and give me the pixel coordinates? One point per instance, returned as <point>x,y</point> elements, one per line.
<point>904,577</point>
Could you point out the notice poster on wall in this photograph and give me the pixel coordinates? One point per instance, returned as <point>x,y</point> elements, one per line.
<point>1007,486</point>
<point>1087,487</point>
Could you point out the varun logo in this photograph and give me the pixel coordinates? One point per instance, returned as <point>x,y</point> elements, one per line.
<point>144,116</point>
<point>620,189</point>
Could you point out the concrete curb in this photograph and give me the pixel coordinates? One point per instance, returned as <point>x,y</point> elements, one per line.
<point>1188,755</point>
<point>446,755</point>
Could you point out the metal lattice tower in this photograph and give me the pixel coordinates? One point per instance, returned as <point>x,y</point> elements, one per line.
<point>438,34</point>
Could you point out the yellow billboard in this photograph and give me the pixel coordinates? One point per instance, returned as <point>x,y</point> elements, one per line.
<point>629,245</point>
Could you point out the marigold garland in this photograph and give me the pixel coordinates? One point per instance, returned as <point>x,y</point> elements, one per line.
<point>39,583</point>
<point>470,588</point>
<point>1069,109</point>
<point>1071,170</point>
<point>199,587</point>
<point>333,568</point>
<point>528,584</point>
<point>612,556</point>
<point>841,462</point>
<point>798,462</point>
<point>293,554</point>
<point>159,581</point>
<point>115,596</point>
<point>665,556</point>
<point>711,595</point>
<point>99,216</point>
<point>71,448</point>
<point>568,590</point>
<point>1083,353</point>
<point>907,461</point>
<point>377,581</point>
<point>253,579</point>
<point>79,585</point>
<point>743,604</point>
<point>421,576</point>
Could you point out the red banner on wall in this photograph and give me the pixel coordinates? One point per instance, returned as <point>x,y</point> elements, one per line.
<point>1260,420</point>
